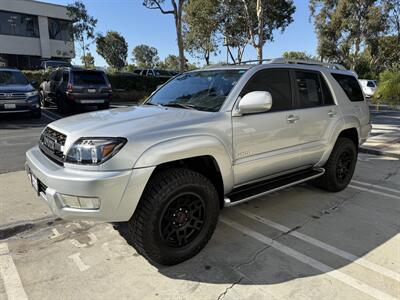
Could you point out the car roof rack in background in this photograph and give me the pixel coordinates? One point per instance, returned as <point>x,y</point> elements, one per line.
<point>308,62</point>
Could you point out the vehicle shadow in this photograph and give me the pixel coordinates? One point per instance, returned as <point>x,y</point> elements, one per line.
<point>21,121</point>
<point>343,221</point>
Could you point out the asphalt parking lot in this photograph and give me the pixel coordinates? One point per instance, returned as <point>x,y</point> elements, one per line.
<point>300,243</point>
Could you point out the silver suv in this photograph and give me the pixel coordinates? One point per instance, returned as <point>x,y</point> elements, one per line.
<point>205,140</point>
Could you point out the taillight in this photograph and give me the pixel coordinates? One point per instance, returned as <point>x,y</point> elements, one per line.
<point>109,88</point>
<point>69,87</point>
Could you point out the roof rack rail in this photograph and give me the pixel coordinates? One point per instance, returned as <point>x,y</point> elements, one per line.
<point>282,60</point>
<point>310,62</point>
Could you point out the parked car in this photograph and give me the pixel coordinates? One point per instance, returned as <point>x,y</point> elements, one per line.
<point>206,139</point>
<point>17,94</point>
<point>69,87</point>
<point>54,64</point>
<point>368,86</point>
<point>155,73</point>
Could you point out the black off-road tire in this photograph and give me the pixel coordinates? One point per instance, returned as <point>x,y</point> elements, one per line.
<point>337,173</point>
<point>164,188</point>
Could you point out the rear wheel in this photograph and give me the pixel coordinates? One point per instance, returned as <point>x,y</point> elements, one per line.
<point>340,166</point>
<point>176,216</point>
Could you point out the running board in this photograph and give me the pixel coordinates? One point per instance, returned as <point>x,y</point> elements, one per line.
<point>250,192</point>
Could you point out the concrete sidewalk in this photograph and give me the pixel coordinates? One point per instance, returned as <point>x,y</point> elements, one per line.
<point>385,135</point>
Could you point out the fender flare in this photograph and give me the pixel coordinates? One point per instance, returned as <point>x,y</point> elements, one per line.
<point>188,147</point>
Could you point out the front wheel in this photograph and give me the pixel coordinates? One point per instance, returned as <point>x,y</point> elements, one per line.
<point>340,166</point>
<point>175,217</point>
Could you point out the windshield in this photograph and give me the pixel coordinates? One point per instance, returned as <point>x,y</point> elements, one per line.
<point>12,77</point>
<point>202,90</point>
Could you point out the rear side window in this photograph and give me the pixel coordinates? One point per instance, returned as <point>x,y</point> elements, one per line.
<point>276,82</point>
<point>83,78</point>
<point>350,86</point>
<point>309,89</point>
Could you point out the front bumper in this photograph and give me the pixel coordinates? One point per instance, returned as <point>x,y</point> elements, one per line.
<point>19,106</point>
<point>118,191</point>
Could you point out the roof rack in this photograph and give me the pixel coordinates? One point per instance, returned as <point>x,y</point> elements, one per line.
<point>310,62</point>
<point>282,60</point>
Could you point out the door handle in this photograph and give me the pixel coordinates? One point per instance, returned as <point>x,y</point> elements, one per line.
<point>292,118</point>
<point>331,113</point>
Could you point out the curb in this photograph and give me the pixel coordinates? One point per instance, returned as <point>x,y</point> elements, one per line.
<point>378,152</point>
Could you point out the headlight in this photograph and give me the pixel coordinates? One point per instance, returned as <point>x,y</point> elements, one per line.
<point>94,151</point>
<point>31,94</point>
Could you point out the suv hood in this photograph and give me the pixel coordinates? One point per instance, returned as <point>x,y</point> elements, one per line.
<point>15,88</point>
<point>127,122</point>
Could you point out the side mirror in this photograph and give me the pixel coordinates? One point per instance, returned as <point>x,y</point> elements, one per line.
<point>255,102</point>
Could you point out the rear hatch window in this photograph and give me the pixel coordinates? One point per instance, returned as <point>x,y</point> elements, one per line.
<point>350,86</point>
<point>89,78</point>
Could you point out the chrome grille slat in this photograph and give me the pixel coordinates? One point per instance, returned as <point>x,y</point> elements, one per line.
<point>56,153</point>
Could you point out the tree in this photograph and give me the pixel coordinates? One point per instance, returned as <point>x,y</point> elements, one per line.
<point>200,27</point>
<point>88,60</point>
<point>296,55</point>
<point>388,89</point>
<point>176,11</point>
<point>233,27</point>
<point>393,7</point>
<point>265,16</point>
<point>113,48</point>
<point>171,62</point>
<point>83,25</point>
<point>346,27</point>
<point>145,56</point>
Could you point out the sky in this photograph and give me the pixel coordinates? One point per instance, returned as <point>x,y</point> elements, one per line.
<point>140,25</point>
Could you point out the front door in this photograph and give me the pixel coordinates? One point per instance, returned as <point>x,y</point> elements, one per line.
<point>266,143</point>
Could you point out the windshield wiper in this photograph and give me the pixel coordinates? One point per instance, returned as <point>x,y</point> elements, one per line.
<point>181,105</point>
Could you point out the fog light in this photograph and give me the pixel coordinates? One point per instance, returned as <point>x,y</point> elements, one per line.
<point>80,202</point>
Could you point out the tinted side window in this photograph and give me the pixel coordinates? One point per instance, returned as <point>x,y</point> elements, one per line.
<point>328,99</point>
<point>309,89</point>
<point>277,82</point>
<point>350,86</point>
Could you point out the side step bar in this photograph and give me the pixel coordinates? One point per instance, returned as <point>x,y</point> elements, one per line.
<point>250,192</point>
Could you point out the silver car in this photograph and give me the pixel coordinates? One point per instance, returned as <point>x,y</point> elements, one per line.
<point>205,140</point>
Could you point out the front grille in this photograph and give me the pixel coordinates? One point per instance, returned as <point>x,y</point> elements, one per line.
<point>52,145</point>
<point>12,96</point>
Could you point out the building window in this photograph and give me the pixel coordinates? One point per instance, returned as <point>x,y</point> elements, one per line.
<point>60,30</point>
<point>18,24</point>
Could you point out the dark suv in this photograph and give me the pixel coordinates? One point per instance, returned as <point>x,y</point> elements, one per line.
<point>69,87</point>
<point>17,94</point>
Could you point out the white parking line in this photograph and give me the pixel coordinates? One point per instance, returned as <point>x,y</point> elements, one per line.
<point>76,258</point>
<point>47,115</point>
<point>373,191</point>
<point>346,255</point>
<point>346,279</point>
<point>9,274</point>
<point>376,186</point>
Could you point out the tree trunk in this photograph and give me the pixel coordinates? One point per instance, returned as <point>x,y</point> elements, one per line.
<point>178,26</point>
<point>207,57</point>
<point>260,44</point>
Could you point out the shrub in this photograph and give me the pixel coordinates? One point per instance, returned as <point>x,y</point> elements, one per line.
<point>388,89</point>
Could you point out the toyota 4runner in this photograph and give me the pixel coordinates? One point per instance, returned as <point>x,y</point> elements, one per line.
<point>206,139</point>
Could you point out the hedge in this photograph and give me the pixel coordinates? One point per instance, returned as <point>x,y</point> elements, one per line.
<point>123,82</point>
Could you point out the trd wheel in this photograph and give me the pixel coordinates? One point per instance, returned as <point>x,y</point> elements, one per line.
<point>175,217</point>
<point>340,166</point>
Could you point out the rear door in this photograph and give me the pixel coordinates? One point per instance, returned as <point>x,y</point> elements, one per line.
<point>317,112</point>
